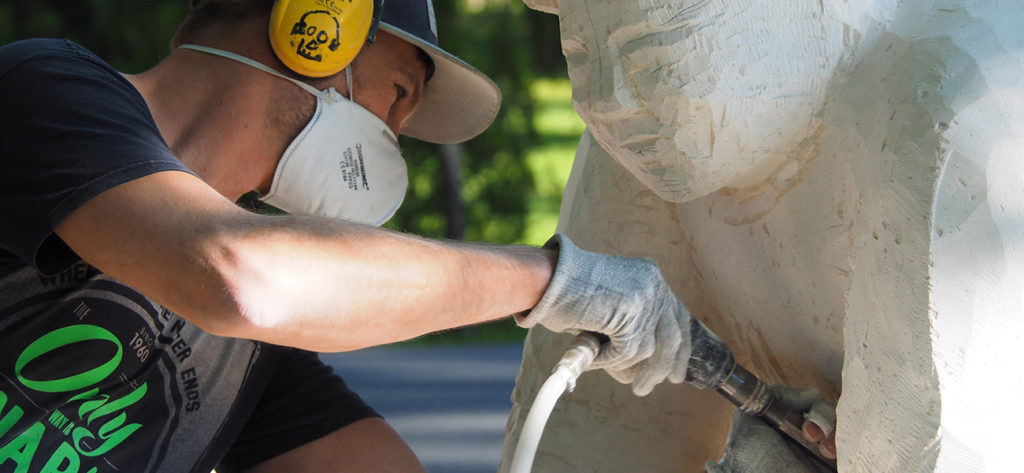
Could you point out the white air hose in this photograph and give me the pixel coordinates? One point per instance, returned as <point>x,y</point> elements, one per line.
<point>582,351</point>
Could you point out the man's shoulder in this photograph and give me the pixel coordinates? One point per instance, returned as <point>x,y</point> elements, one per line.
<point>22,51</point>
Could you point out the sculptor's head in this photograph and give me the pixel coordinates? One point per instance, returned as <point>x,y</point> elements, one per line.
<point>697,95</point>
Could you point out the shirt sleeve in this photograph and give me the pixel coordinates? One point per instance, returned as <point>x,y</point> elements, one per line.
<point>71,127</point>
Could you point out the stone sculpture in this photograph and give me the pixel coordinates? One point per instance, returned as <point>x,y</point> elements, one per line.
<point>836,188</point>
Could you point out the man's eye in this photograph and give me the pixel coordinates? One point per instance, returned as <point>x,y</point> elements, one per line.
<point>400,91</point>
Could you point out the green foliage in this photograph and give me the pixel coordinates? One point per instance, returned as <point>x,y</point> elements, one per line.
<point>512,175</point>
<point>559,129</point>
<point>130,35</point>
<point>497,37</point>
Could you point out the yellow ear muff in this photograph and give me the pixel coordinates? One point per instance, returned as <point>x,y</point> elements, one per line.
<point>319,38</point>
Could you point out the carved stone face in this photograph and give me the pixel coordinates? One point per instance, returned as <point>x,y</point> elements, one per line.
<point>678,93</point>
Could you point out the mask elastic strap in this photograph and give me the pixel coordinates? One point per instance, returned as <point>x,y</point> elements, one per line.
<point>323,95</point>
<point>348,82</point>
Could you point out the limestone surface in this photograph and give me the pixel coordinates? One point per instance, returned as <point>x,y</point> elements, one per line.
<point>834,188</point>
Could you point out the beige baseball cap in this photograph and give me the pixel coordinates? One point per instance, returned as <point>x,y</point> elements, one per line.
<point>459,102</point>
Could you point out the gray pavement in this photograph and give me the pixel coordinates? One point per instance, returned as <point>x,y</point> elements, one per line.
<point>450,403</point>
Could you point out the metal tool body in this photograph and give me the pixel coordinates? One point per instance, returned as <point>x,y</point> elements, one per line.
<point>712,366</point>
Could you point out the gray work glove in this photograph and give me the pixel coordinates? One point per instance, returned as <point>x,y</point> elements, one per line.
<point>627,300</point>
<point>755,447</point>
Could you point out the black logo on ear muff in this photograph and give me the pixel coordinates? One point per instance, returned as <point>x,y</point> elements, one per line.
<point>310,38</point>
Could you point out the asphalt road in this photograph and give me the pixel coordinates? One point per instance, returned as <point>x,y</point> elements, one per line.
<point>449,403</point>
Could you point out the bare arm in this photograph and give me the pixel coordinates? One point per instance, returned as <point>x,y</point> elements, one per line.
<point>312,283</point>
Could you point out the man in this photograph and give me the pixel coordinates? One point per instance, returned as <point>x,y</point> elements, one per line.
<point>150,324</point>
<point>145,316</point>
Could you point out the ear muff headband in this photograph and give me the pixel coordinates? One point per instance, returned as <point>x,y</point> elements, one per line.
<point>319,38</point>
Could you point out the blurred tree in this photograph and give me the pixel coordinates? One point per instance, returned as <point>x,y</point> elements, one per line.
<point>130,36</point>
<point>498,37</point>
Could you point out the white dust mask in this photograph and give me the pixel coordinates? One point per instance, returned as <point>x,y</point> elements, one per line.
<point>344,164</point>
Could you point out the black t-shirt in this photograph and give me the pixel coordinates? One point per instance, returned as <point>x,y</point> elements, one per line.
<point>94,376</point>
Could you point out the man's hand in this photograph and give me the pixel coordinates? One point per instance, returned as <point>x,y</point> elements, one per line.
<point>625,299</point>
<point>755,447</point>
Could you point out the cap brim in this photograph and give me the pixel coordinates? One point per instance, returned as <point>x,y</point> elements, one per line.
<point>459,101</point>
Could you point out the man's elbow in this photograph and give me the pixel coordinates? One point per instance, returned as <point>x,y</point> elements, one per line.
<point>248,295</point>
<point>224,293</point>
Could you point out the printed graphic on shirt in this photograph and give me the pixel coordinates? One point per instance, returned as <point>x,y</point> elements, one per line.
<point>102,380</point>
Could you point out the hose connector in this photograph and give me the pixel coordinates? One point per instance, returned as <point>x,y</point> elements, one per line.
<point>580,354</point>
